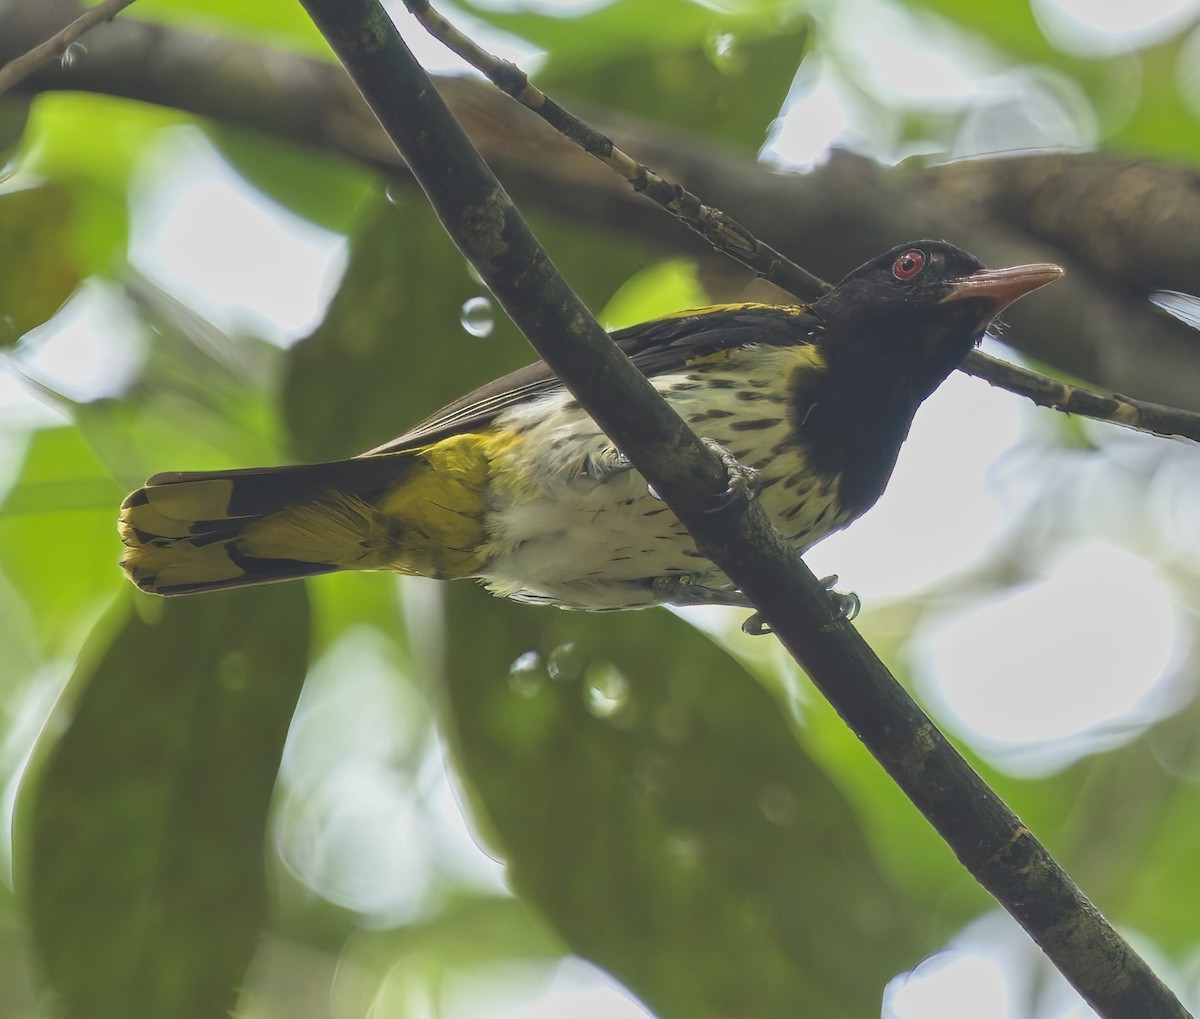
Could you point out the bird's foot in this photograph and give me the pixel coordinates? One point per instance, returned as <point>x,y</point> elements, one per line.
<point>743,482</point>
<point>606,464</point>
<point>845,607</point>
<point>682,590</point>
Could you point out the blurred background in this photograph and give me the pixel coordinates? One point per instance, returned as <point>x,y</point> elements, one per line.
<point>468,808</point>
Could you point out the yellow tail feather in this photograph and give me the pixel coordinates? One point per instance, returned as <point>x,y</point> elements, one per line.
<point>418,511</point>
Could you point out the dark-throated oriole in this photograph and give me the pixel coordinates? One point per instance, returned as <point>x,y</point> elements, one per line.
<point>515,485</point>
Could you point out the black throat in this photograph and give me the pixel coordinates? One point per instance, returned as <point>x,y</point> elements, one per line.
<point>851,420</point>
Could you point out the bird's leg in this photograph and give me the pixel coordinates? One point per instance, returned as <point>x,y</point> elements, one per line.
<point>845,606</point>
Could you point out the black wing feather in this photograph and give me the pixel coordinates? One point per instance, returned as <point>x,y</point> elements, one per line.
<point>655,347</point>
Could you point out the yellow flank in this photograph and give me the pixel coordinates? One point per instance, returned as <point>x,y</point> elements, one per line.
<point>429,523</point>
<point>435,516</point>
<point>428,520</point>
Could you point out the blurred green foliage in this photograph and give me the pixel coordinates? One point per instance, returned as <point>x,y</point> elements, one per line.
<point>144,819</point>
<point>710,846</point>
<point>34,242</point>
<point>663,804</point>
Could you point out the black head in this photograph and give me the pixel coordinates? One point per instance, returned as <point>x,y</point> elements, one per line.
<point>891,332</point>
<point>916,311</point>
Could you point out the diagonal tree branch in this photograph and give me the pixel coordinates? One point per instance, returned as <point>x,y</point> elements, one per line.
<point>986,836</point>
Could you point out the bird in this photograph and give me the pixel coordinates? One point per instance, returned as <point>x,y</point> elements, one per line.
<point>515,485</point>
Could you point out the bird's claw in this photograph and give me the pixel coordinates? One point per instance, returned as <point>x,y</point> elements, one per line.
<point>847,605</point>
<point>845,608</point>
<point>755,626</point>
<point>682,589</point>
<point>743,482</point>
<point>605,464</point>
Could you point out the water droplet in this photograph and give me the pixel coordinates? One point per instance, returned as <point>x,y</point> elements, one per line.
<point>474,274</point>
<point>478,317</point>
<point>607,691</point>
<point>724,52</point>
<point>526,675</point>
<point>777,804</point>
<point>565,664</point>
<point>72,55</point>
<point>393,191</point>
<point>653,494</point>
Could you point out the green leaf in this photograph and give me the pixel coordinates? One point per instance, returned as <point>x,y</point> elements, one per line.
<point>58,537</point>
<point>652,800</point>
<point>324,189</point>
<point>40,270</point>
<point>278,24</point>
<point>624,26</point>
<point>141,821</point>
<point>91,145</point>
<point>14,116</point>
<point>354,598</point>
<point>203,400</point>
<point>657,290</point>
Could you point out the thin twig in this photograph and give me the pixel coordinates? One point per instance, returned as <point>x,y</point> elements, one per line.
<point>721,231</point>
<point>734,240</point>
<point>1168,422</point>
<point>59,43</point>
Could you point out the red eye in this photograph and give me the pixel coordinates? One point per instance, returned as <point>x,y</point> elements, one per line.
<point>909,264</point>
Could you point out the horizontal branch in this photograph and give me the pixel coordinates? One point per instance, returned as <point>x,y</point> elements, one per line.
<point>58,45</point>
<point>1168,422</point>
<point>829,219</point>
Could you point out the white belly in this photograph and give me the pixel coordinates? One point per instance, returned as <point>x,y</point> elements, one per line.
<point>568,537</point>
